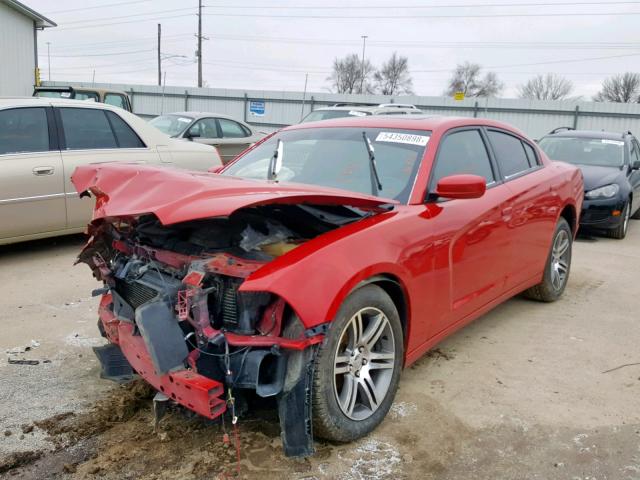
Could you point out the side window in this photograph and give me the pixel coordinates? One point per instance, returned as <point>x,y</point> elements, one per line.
<point>635,153</point>
<point>116,100</point>
<point>205,128</point>
<point>509,152</point>
<point>86,128</point>
<point>531,155</point>
<point>87,96</point>
<point>462,152</point>
<point>23,130</point>
<point>125,136</point>
<point>231,129</point>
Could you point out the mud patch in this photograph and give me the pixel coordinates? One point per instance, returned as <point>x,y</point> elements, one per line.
<point>18,459</point>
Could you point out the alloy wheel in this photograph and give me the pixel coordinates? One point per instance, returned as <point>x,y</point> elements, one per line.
<point>560,259</point>
<point>364,363</point>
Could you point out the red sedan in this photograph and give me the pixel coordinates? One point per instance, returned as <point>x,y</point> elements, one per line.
<point>322,261</point>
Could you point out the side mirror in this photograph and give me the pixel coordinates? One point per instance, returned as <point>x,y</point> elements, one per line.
<point>216,169</point>
<point>191,135</point>
<point>635,165</point>
<point>461,186</point>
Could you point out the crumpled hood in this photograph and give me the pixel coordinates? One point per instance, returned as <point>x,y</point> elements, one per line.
<point>175,195</point>
<point>596,176</point>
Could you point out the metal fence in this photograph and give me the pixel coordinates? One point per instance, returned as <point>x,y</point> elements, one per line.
<point>270,110</point>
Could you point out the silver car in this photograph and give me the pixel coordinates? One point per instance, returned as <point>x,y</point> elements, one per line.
<point>228,135</point>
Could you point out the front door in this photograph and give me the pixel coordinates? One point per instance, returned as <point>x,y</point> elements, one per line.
<point>469,234</point>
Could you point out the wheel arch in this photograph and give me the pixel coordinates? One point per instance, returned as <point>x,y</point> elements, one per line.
<point>396,290</point>
<point>570,215</point>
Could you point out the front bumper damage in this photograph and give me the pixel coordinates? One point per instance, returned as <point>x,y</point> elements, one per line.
<point>159,326</point>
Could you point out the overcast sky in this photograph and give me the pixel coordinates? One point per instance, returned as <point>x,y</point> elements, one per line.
<point>270,45</point>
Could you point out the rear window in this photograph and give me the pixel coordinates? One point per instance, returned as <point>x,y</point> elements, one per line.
<point>328,114</point>
<point>584,151</point>
<point>510,153</point>
<point>86,128</point>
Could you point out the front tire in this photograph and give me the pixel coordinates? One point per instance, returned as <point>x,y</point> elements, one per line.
<point>621,230</point>
<point>357,367</point>
<point>556,270</point>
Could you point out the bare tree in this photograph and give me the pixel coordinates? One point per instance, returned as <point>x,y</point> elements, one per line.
<point>623,88</point>
<point>393,78</point>
<point>546,87</point>
<point>467,78</point>
<point>347,75</point>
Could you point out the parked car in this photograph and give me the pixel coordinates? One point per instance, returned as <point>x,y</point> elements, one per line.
<point>610,164</point>
<point>42,140</point>
<point>101,95</point>
<point>322,261</point>
<point>340,110</point>
<point>228,135</point>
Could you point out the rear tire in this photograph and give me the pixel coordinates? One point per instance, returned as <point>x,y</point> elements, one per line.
<point>556,270</point>
<point>621,230</point>
<point>357,367</point>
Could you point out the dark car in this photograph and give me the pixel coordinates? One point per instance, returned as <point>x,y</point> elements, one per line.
<point>610,164</point>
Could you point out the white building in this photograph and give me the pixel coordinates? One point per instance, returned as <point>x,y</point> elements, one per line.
<point>19,27</point>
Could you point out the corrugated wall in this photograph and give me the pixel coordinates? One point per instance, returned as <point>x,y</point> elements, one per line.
<point>534,117</point>
<point>17,60</point>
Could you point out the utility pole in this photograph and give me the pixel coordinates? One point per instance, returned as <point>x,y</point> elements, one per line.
<point>49,61</point>
<point>364,43</point>
<point>159,58</point>
<point>304,94</point>
<point>199,43</point>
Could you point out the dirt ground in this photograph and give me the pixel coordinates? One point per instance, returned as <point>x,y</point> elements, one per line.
<point>529,391</point>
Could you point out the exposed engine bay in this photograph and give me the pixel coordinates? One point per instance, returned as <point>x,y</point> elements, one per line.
<point>174,313</point>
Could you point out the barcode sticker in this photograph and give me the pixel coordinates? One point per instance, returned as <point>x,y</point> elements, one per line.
<point>408,138</point>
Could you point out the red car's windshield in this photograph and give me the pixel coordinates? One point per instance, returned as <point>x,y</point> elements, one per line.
<point>339,158</point>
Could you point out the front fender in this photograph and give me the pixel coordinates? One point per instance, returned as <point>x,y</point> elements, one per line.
<point>315,278</point>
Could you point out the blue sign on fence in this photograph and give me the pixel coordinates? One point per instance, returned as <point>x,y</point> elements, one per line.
<point>256,107</point>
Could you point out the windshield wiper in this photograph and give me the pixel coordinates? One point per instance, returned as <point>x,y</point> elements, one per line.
<point>376,186</point>
<point>275,164</point>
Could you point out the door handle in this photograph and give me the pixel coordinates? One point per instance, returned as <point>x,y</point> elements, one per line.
<point>43,170</point>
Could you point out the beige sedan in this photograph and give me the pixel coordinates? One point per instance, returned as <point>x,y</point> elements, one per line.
<point>43,140</point>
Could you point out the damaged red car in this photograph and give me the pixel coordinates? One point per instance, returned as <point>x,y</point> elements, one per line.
<point>322,261</point>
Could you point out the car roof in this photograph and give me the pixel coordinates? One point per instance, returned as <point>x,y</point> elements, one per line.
<point>7,102</point>
<point>370,108</point>
<point>199,115</point>
<point>599,134</point>
<point>407,122</point>
<point>59,88</point>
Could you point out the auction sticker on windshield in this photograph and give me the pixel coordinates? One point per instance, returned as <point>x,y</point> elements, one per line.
<point>408,138</point>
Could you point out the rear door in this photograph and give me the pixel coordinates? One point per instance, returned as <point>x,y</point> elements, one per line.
<point>473,230</point>
<point>234,138</point>
<point>32,197</point>
<point>533,205</point>
<point>94,135</point>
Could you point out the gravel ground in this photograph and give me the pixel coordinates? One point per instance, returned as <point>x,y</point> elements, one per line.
<point>520,393</point>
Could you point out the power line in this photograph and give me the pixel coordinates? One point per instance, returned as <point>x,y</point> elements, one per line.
<point>395,7</point>
<point>550,62</point>
<point>390,17</point>
<point>76,27</point>
<point>99,19</point>
<point>104,5</point>
<point>98,54</point>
